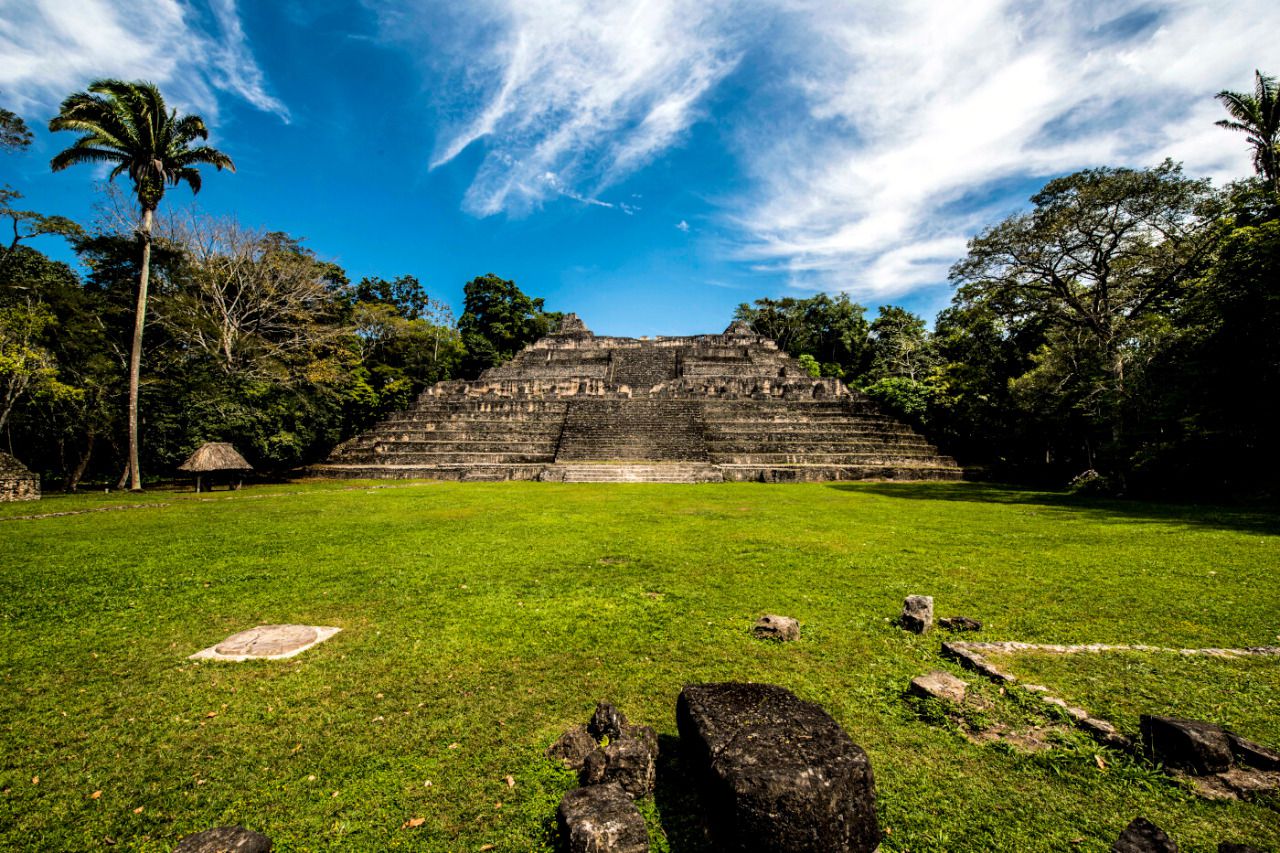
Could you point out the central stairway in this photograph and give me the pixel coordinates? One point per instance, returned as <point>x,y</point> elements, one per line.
<point>624,472</point>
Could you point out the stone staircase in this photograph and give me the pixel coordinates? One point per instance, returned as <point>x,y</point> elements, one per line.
<point>639,430</point>
<point>576,408</point>
<point>620,472</point>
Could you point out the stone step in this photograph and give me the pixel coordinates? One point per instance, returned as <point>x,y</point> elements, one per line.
<point>632,473</point>
<point>869,457</point>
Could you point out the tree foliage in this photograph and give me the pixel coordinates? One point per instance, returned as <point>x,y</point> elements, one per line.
<point>499,320</point>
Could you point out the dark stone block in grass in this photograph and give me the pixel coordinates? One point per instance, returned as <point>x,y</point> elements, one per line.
<point>774,627</point>
<point>573,747</point>
<point>1228,847</point>
<point>1143,836</point>
<point>630,759</point>
<point>917,613</point>
<point>959,623</point>
<point>606,722</point>
<point>225,839</point>
<point>1188,745</point>
<point>781,775</point>
<point>1253,754</point>
<point>601,819</point>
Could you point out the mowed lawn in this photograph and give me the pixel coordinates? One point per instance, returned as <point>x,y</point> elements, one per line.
<point>481,620</point>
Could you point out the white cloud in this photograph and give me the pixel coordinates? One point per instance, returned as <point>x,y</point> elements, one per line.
<point>51,48</point>
<point>682,225</point>
<point>891,129</point>
<point>920,111</point>
<point>588,91</point>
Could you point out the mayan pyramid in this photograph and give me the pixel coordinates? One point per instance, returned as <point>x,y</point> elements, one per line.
<point>575,407</point>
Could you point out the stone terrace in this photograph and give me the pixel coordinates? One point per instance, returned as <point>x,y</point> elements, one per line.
<point>574,407</point>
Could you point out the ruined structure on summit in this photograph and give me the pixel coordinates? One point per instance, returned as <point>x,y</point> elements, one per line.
<point>576,407</point>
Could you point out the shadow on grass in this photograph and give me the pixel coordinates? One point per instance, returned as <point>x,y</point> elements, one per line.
<point>679,805</point>
<point>1256,518</point>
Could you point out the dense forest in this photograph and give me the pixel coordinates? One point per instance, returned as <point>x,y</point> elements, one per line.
<point>1122,335</point>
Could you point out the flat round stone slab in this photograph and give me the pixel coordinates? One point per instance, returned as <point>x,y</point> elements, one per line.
<point>268,640</point>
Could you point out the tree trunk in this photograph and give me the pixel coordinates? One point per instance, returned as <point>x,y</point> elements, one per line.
<point>135,354</point>
<point>77,474</point>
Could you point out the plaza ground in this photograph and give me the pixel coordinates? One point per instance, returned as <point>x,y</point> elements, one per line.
<point>481,620</point>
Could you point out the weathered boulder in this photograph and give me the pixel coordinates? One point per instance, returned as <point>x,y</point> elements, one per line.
<point>225,839</point>
<point>780,773</point>
<point>630,759</point>
<point>917,613</point>
<point>939,685</point>
<point>573,747</point>
<point>1253,754</point>
<point>601,819</point>
<point>1188,745</point>
<point>606,722</point>
<point>1143,836</point>
<point>774,627</point>
<point>959,623</point>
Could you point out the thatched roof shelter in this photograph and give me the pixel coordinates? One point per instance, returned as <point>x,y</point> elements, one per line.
<point>215,456</point>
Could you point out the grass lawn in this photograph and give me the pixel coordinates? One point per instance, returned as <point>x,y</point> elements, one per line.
<point>481,620</point>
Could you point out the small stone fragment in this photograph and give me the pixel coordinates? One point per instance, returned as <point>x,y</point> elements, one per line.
<point>225,839</point>
<point>1143,836</point>
<point>606,722</point>
<point>1189,745</point>
<point>630,759</point>
<point>1253,754</point>
<point>601,819</point>
<point>939,685</point>
<point>774,627</point>
<point>572,747</point>
<point>959,623</point>
<point>917,613</point>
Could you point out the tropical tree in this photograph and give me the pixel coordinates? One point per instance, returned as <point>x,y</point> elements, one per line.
<point>1258,115</point>
<point>129,125</point>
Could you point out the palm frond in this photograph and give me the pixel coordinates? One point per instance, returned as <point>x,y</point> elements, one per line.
<point>208,156</point>
<point>74,156</point>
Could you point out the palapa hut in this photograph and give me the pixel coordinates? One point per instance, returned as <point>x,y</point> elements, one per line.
<point>16,482</point>
<point>216,457</point>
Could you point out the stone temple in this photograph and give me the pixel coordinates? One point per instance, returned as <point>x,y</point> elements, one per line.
<point>575,407</point>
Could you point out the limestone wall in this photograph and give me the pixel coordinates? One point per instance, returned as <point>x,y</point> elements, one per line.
<point>16,482</point>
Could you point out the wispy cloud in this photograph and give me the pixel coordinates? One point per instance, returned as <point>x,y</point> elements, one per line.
<point>908,124</point>
<point>920,113</point>
<point>587,91</point>
<point>50,48</point>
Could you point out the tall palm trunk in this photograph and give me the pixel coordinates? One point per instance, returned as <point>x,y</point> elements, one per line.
<point>135,355</point>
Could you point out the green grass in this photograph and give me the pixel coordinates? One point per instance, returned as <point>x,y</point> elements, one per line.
<point>493,616</point>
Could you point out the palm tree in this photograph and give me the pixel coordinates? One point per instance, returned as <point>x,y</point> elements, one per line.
<point>128,125</point>
<point>1258,115</point>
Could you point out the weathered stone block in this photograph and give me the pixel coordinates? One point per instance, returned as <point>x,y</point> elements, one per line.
<point>573,747</point>
<point>939,685</point>
<point>1228,847</point>
<point>606,722</point>
<point>917,613</point>
<point>781,774</point>
<point>225,839</point>
<point>1143,836</point>
<point>774,627</point>
<point>630,760</point>
<point>1189,745</point>
<point>601,819</point>
<point>16,482</point>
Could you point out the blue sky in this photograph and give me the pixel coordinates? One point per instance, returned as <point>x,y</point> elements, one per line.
<point>647,164</point>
